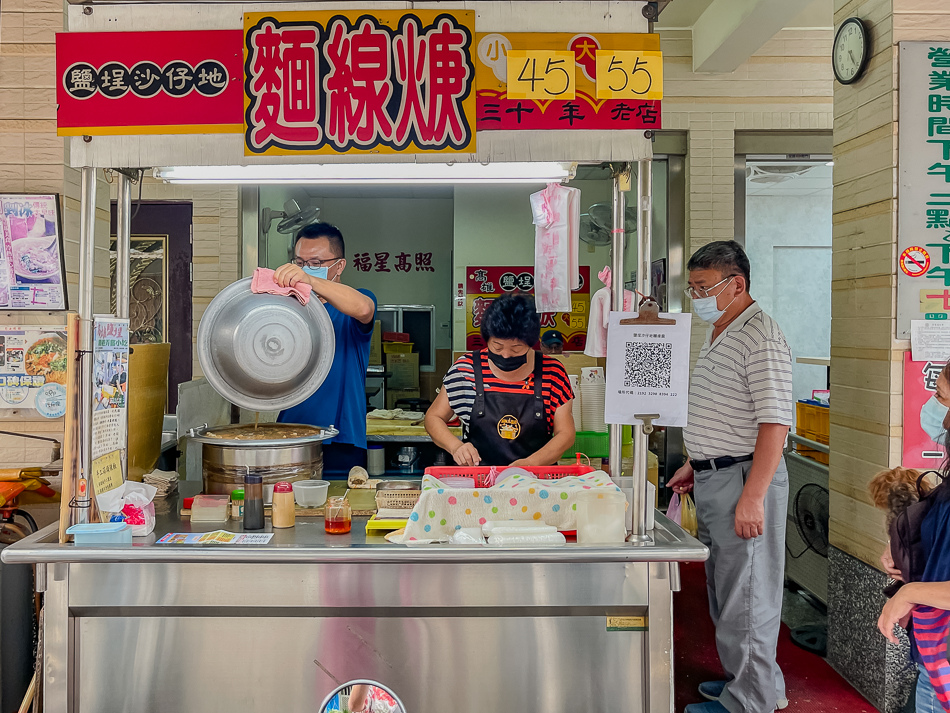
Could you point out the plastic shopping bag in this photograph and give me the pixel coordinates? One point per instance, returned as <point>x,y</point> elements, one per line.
<point>675,509</point>
<point>688,519</point>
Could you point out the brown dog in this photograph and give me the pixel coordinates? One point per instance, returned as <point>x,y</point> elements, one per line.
<point>893,491</point>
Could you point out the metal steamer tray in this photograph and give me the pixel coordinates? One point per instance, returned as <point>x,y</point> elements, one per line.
<point>201,435</point>
<point>264,352</point>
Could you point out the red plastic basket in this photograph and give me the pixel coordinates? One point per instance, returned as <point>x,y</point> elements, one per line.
<point>482,473</point>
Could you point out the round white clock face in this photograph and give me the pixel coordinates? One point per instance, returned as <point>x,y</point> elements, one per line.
<point>849,51</point>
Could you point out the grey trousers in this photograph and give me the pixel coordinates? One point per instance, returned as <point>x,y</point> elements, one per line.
<point>746,581</point>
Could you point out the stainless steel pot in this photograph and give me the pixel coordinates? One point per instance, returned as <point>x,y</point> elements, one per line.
<point>264,352</point>
<point>225,461</point>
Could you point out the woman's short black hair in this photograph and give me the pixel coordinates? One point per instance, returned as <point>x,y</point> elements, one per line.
<point>512,316</point>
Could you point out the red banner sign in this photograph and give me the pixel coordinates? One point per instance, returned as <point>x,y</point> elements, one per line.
<point>343,82</point>
<point>148,82</point>
<point>920,385</point>
<point>484,284</point>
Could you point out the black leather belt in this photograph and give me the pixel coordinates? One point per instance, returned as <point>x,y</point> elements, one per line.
<point>718,463</point>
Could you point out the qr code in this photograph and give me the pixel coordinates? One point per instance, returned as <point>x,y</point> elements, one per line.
<point>648,365</point>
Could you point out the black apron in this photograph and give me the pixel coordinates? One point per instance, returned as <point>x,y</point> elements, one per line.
<point>505,427</point>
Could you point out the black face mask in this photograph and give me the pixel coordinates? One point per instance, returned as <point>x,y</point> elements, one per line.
<point>508,363</point>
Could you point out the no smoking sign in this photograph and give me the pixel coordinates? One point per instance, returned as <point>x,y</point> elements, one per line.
<point>915,261</point>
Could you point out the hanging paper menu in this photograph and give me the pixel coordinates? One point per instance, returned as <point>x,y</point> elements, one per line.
<point>110,372</point>
<point>32,266</point>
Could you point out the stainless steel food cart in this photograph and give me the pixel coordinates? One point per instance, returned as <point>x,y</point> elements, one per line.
<point>281,626</point>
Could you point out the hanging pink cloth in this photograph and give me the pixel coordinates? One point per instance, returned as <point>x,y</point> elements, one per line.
<point>556,215</point>
<point>596,345</point>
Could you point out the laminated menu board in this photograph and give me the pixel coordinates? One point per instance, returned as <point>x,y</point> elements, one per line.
<point>32,266</point>
<point>32,371</point>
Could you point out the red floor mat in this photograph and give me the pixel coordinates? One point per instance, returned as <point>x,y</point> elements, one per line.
<point>812,685</point>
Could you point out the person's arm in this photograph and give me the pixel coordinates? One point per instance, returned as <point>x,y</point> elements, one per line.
<point>358,698</point>
<point>436,423</point>
<point>750,510</point>
<point>349,301</point>
<point>898,607</point>
<point>561,439</point>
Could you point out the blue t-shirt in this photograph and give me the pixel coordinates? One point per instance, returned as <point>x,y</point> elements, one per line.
<point>341,399</point>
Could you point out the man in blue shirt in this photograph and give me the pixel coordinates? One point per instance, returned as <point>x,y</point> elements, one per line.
<point>341,400</point>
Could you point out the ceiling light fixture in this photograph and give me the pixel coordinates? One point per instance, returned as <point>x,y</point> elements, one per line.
<point>372,173</point>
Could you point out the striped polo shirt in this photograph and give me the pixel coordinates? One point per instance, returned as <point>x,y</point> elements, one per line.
<point>741,381</point>
<point>459,385</point>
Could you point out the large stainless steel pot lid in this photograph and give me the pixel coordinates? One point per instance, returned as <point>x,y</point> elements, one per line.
<point>245,435</point>
<point>264,352</point>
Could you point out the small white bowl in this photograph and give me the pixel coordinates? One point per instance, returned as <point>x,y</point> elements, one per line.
<point>311,493</point>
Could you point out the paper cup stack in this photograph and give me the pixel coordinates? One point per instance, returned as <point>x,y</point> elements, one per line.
<point>576,404</point>
<point>593,387</point>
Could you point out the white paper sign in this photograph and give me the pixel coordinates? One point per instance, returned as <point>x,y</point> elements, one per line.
<point>930,340</point>
<point>647,370</point>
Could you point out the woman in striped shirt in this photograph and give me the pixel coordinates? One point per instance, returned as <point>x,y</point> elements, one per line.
<point>514,403</point>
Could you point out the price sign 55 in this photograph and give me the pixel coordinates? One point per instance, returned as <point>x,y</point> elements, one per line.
<point>632,74</point>
<point>540,74</point>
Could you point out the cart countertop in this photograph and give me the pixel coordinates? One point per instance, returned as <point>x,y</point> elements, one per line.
<point>308,542</point>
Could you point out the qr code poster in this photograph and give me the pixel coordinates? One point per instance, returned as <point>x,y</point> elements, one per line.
<point>647,370</point>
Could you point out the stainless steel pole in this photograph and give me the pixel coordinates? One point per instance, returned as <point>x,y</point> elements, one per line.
<point>616,298</point>
<point>87,274</point>
<point>123,245</point>
<point>641,441</point>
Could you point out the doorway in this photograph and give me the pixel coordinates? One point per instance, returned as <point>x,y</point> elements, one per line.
<point>160,303</point>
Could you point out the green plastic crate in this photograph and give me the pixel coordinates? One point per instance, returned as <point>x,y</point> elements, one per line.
<point>590,443</point>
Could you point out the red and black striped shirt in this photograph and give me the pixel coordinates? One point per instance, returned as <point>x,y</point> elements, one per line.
<point>459,385</point>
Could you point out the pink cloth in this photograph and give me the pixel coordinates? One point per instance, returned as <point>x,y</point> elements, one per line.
<point>556,215</point>
<point>263,283</point>
<point>596,345</point>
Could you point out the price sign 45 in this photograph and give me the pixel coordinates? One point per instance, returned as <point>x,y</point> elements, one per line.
<point>632,74</point>
<point>541,74</point>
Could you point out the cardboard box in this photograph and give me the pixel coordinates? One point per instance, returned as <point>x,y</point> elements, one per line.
<point>393,395</point>
<point>404,370</point>
<point>575,361</point>
<point>376,345</point>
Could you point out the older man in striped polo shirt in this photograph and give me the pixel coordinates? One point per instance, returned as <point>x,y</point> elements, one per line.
<point>740,410</point>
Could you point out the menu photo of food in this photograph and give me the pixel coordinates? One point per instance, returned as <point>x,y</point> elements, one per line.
<point>33,363</point>
<point>31,253</point>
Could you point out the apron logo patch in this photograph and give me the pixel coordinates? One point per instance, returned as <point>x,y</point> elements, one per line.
<point>509,428</point>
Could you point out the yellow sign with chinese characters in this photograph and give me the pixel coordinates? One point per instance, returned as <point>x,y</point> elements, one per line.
<point>636,74</point>
<point>541,74</point>
<point>107,472</point>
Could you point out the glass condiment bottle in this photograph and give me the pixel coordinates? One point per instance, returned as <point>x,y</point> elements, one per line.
<point>282,508</point>
<point>253,502</point>
<point>337,518</point>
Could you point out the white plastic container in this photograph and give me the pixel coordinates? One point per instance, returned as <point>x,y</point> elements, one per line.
<point>600,516</point>
<point>376,460</point>
<point>101,533</point>
<point>311,493</point>
<point>210,508</point>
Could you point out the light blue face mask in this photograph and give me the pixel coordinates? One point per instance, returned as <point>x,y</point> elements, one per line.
<point>317,271</point>
<point>932,416</point>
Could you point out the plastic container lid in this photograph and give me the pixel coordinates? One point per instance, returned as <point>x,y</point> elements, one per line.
<point>97,528</point>
<point>237,494</point>
<point>283,487</point>
<point>187,503</point>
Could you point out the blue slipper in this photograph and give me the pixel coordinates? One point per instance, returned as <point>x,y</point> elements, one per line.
<point>708,707</point>
<point>711,690</point>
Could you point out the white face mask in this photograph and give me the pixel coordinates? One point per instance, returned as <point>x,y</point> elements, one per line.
<point>707,308</point>
<point>932,416</point>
